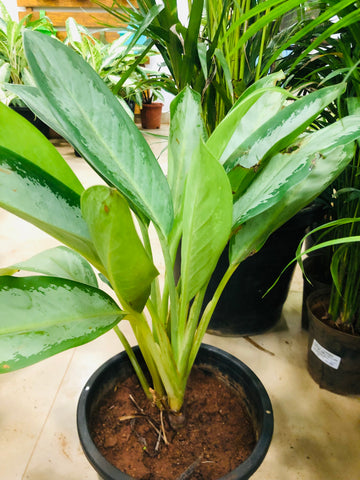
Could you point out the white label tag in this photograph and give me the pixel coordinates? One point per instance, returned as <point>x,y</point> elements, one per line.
<point>325,356</point>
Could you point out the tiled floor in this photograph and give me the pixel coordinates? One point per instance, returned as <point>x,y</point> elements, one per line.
<point>317,433</point>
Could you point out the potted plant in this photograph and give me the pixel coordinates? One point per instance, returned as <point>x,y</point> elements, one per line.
<point>220,51</point>
<point>241,183</point>
<point>151,85</point>
<point>333,311</point>
<point>117,63</point>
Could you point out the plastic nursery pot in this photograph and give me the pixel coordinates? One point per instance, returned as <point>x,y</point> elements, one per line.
<point>151,115</point>
<point>32,118</point>
<point>236,372</point>
<point>333,356</point>
<point>317,277</point>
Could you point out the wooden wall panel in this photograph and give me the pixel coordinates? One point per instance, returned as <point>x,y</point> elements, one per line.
<point>64,3</point>
<point>58,11</point>
<point>93,19</point>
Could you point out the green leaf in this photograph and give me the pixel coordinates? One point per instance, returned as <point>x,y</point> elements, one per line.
<point>42,316</point>
<point>206,221</point>
<point>98,127</point>
<point>225,67</point>
<point>187,130</point>
<point>32,194</point>
<point>191,41</point>
<point>128,265</point>
<point>279,131</point>
<point>286,170</point>
<point>253,233</point>
<point>34,147</point>
<point>38,104</point>
<point>244,119</point>
<point>57,262</point>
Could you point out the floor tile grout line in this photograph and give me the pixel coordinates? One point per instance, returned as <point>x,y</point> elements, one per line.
<point>47,415</point>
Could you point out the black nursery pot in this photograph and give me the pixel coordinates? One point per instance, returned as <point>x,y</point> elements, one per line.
<point>237,373</point>
<point>33,119</point>
<point>243,309</point>
<point>333,355</point>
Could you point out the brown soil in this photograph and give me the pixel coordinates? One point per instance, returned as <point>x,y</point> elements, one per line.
<point>217,437</point>
<point>320,311</point>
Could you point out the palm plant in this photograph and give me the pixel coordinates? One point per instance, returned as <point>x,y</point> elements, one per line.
<point>336,58</point>
<point>226,45</point>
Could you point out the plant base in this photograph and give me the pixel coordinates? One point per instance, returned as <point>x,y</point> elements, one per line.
<point>333,356</point>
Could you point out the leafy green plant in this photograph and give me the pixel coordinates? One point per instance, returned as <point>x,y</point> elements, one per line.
<point>112,61</point>
<point>13,64</point>
<point>257,169</point>
<point>331,59</point>
<point>226,46</point>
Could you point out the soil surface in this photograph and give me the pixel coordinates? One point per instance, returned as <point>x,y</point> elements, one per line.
<point>217,437</point>
<point>320,309</point>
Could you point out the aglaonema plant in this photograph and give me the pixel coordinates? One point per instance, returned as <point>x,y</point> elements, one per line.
<point>258,168</point>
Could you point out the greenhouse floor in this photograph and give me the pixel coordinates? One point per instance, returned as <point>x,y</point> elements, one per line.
<point>316,436</point>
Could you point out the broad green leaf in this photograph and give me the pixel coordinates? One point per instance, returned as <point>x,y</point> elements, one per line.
<point>98,127</point>
<point>128,265</point>
<point>265,82</point>
<point>34,147</point>
<point>42,316</point>
<point>206,221</point>
<point>279,131</point>
<point>38,104</point>
<point>32,194</point>
<point>244,119</point>
<point>57,262</point>
<point>285,170</point>
<point>252,234</point>
<point>187,130</point>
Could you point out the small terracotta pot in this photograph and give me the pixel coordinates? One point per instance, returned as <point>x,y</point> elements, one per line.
<point>151,115</point>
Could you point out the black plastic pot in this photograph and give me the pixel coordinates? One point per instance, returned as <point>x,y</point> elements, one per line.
<point>33,119</point>
<point>317,277</point>
<point>237,373</point>
<point>333,356</point>
<point>243,309</point>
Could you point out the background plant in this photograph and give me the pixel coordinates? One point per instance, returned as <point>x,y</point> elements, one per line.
<point>226,46</point>
<point>256,170</point>
<point>334,58</point>
<point>13,63</point>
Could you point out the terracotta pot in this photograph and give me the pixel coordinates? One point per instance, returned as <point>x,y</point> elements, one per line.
<point>151,115</point>
<point>236,372</point>
<point>333,356</point>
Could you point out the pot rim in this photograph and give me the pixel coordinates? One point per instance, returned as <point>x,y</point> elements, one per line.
<point>325,292</point>
<point>245,469</point>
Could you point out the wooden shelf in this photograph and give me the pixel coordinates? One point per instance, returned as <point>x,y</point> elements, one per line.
<point>58,12</point>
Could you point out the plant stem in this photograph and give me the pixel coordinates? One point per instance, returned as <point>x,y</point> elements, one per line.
<point>173,296</point>
<point>206,317</point>
<point>261,51</point>
<point>134,362</point>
